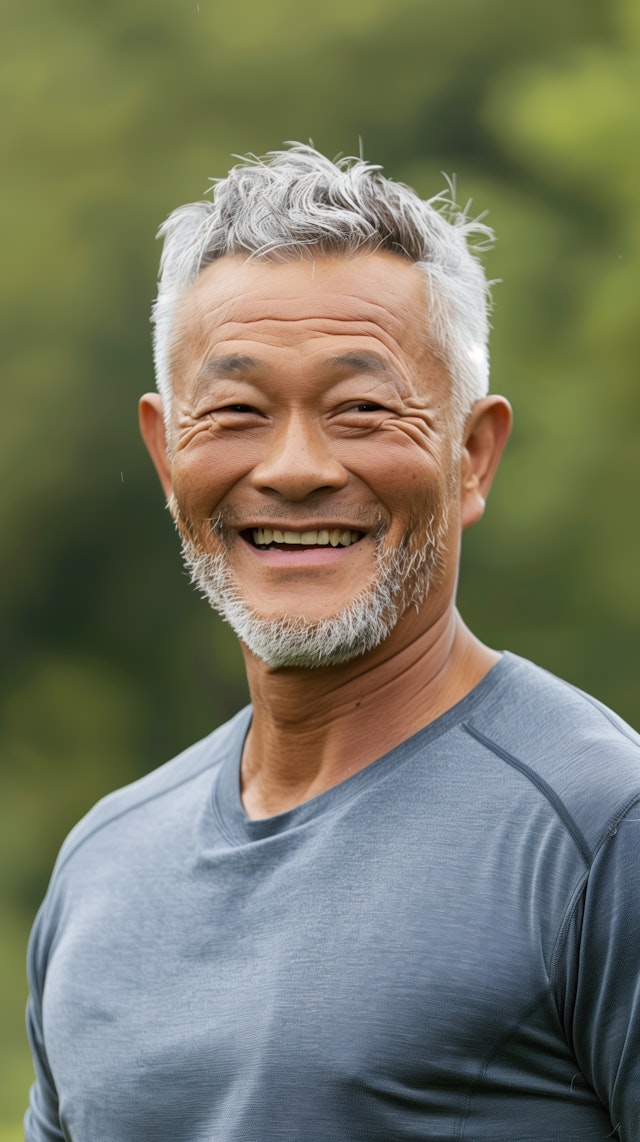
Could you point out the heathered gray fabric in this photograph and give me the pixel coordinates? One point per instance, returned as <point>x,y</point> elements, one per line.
<point>445,946</point>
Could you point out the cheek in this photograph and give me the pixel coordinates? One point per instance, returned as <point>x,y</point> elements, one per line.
<point>405,480</point>
<point>202,477</point>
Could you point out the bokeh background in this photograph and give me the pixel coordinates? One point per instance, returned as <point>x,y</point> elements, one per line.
<point>111,115</point>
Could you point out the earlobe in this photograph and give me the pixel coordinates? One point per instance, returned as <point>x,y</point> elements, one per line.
<point>152,429</point>
<point>486,434</point>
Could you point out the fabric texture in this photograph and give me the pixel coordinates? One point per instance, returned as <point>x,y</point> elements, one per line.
<point>444,946</point>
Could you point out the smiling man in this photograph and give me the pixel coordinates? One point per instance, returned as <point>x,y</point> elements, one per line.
<point>397,898</point>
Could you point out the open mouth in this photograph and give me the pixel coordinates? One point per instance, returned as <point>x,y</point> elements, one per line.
<point>265,537</point>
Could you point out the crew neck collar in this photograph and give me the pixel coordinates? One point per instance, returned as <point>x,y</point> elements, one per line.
<point>239,829</point>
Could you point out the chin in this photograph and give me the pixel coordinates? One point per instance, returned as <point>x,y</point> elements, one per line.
<point>403,579</point>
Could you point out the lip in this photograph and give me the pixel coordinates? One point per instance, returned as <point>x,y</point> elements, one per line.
<point>298,557</point>
<point>301,557</point>
<point>303,525</point>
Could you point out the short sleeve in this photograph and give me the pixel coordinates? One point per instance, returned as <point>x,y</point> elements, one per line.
<point>607,1000</point>
<point>41,1120</point>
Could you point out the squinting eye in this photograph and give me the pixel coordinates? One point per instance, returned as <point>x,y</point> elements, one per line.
<point>367,406</point>
<point>237,416</point>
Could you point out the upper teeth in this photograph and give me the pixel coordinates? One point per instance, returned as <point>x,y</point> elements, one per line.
<point>337,537</point>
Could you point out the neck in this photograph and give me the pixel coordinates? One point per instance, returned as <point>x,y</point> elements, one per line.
<point>312,729</point>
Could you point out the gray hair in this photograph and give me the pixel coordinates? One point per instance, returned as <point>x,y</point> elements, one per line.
<point>297,202</point>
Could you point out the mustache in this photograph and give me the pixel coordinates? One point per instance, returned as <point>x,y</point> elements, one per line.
<point>226,523</point>
<point>363,519</point>
<point>427,527</point>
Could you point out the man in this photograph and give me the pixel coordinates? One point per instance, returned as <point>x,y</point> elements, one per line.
<point>399,897</point>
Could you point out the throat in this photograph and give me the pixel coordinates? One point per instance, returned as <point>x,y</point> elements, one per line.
<point>313,729</point>
<point>291,770</point>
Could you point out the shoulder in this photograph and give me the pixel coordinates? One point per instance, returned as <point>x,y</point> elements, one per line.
<point>150,795</point>
<point>130,833</point>
<point>579,754</point>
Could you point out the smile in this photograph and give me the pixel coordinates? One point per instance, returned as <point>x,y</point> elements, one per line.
<point>323,537</point>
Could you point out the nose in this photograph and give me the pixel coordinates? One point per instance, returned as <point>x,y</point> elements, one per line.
<point>297,462</point>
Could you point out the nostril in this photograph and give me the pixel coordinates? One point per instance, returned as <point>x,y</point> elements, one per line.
<point>297,471</point>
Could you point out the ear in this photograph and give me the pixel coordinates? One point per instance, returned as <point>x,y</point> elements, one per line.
<point>486,433</point>
<point>151,420</point>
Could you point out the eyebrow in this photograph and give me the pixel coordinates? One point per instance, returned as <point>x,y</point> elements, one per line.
<point>238,364</point>
<point>223,368</point>
<point>235,365</point>
<point>363,362</point>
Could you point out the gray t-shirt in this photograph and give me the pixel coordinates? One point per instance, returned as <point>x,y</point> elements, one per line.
<point>444,946</point>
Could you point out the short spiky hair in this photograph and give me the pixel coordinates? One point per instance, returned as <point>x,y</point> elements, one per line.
<point>297,203</point>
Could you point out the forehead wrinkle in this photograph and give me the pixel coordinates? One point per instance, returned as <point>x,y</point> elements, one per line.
<point>231,314</point>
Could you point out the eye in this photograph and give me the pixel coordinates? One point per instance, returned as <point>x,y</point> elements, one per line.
<point>363,408</point>
<point>237,415</point>
<point>238,409</point>
<point>359,417</point>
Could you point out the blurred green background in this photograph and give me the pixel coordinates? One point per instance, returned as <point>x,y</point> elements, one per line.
<point>112,115</point>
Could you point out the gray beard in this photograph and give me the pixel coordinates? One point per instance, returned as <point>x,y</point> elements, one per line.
<point>404,576</point>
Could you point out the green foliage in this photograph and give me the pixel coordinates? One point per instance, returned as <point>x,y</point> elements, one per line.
<point>116,113</point>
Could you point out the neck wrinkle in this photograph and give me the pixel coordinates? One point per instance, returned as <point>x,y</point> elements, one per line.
<point>313,729</point>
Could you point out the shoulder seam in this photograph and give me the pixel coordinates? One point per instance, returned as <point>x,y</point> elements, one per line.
<point>552,797</point>
<point>116,816</point>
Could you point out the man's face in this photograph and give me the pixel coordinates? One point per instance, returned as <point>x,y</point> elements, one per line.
<point>313,471</point>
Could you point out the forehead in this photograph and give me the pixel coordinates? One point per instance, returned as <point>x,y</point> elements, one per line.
<point>379,297</point>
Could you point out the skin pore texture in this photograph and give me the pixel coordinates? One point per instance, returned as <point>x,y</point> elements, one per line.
<point>320,484</point>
